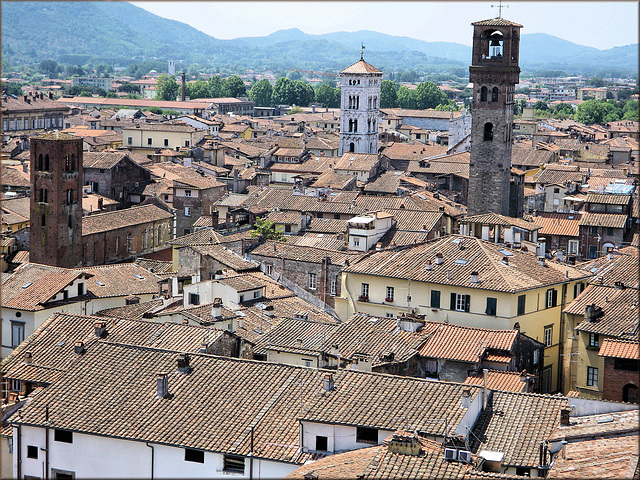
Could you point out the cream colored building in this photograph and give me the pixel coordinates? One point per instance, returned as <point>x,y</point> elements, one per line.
<point>146,138</point>
<point>466,281</point>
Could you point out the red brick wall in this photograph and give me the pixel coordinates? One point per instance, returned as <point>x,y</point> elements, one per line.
<point>615,380</point>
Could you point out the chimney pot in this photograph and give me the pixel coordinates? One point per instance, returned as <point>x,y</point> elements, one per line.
<point>28,357</point>
<point>203,348</point>
<point>78,348</point>
<point>183,363</point>
<point>439,258</point>
<point>564,416</point>
<point>327,382</point>
<point>162,384</point>
<point>473,278</point>
<point>100,328</point>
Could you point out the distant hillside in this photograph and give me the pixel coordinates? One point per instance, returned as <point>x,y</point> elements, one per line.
<point>118,32</point>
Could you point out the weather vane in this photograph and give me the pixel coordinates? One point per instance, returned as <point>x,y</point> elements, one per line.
<point>362,51</point>
<point>500,7</point>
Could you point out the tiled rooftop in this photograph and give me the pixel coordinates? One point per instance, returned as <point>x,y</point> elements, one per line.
<point>617,348</point>
<point>102,222</point>
<point>501,380</point>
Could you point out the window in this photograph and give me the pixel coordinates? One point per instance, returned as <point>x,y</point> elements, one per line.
<point>17,333</point>
<point>16,385</point>
<point>187,211</point>
<point>166,142</point>
<point>460,302</point>
<point>547,338</point>
<point>367,435</point>
<point>390,292</point>
<point>551,298</point>
<point>148,141</point>
<point>365,290</point>
<point>256,294</point>
<point>435,298</point>
<point>313,281</point>
<point>191,455</point>
<point>356,241</point>
<point>522,299</point>
<point>194,299</point>
<point>577,289</point>
<point>321,443</point>
<point>287,228</point>
<point>268,268</point>
<point>186,143</point>
<point>573,247</point>
<point>187,193</point>
<point>547,376</point>
<point>593,230</point>
<point>233,463</point>
<point>488,132</point>
<point>129,140</point>
<point>492,306</point>
<point>609,231</point>
<point>336,216</point>
<point>64,436</point>
<point>592,377</point>
<point>483,94</point>
<point>241,298</point>
<point>556,190</point>
<point>62,474</point>
<point>594,340</point>
<point>32,451</point>
<point>333,286</point>
<point>494,94</point>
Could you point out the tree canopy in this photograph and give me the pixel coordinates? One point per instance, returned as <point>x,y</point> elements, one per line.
<point>266,229</point>
<point>261,93</point>
<point>167,88</point>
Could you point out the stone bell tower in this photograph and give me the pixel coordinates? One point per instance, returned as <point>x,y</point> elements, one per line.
<point>494,72</point>
<point>359,107</point>
<point>55,232</point>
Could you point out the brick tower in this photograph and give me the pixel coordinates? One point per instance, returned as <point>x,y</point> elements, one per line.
<point>359,107</point>
<point>56,200</point>
<point>494,72</point>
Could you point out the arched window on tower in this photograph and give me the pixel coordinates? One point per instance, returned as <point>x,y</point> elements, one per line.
<point>46,162</point>
<point>40,164</point>
<point>355,125</point>
<point>43,220</point>
<point>488,132</point>
<point>375,102</point>
<point>483,94</point>
<point>67,162</point>
<point>73,161</point>
<point>69,196</point>
<point>494,94</point>
<point>352,147</point>
<point>357,102</point>
<point>495,45</point>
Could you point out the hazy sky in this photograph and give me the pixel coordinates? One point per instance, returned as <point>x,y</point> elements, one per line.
<point>600,24</point>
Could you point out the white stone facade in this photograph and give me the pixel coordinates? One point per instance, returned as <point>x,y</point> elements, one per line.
<point>359,108</point>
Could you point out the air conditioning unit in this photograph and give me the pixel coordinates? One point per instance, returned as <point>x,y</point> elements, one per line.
<point>464,456</point>
<point>450,454</point>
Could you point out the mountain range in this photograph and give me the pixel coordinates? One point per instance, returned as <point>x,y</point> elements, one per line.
<point>120,33</point>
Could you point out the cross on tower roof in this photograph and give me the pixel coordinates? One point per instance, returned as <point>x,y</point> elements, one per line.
<point>500,7</point>
<point>362,52</point>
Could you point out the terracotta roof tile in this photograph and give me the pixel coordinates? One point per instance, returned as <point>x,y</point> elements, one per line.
<point>361,67</point>
<point>617,348</point>
<point>561,224</point>
<point>501,380</point>
<point>102,222</point>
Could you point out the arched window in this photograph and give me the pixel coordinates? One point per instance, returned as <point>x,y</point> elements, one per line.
<point>43,220</point>
<point>352,147</point>
<point>375,102</point>
<point>70,221</point>
<point>46,162</point>
<point>630,393</point>
<point>488,132</point>
<point>40,164</point>
<point>69,196</point>
<point>357,102</point>
<point>355,125</point>
<point>494,94</point>
<point>483,94</point>
<point>73,161</point>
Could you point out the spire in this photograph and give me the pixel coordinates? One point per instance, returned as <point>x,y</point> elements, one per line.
<point>362,51</point>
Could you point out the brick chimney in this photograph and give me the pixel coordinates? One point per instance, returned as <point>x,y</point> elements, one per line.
<point>100,329</point>
<point>183,88</point>
<point>78,348</point>
<point>327,382</point>
<point>183,363</point>
<point>404,444</point>
<point>162,384</point>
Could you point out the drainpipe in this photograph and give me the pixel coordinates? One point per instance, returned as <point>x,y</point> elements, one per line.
<point>152,457</point>
<point>46,452</point>
<point>19,450</point>
<point>251,459</point>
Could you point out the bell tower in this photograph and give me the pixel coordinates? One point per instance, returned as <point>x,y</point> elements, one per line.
<point>494,72</point>
<point>359,107</point>
<point>55,232</point>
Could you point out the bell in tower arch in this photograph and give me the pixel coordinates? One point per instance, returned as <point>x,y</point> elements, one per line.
<point>495,45</point>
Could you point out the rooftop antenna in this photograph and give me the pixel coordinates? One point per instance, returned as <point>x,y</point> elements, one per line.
<point>500,7</point>
<point>362,51</point>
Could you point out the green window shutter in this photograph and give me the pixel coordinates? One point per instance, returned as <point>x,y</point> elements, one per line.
<point>467,302</point>
<point>453,302</point>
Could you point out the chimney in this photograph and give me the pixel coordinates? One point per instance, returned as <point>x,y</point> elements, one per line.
<point>428,265</point>
<point>183,363</point>
<point>216,308</point>
<point>28,357</point>
<point>541,261</point>
<point>485,374</point>
<point>564,417</point>
<point>466,398</point>
<point>609,256</point>
<point>439,258</point>
<point>505,260</point>
<point>619,285</point>
<point>100,203</point>
<point>268,311</point>
<point>473,278</point>
<point>100,328</point>
<point>327,382</point>
<point>378,246</point>
<point>78,348</point>
<point>204,348</point>
<point>162,383</point>
<point>404,444</point>
<point>592,312</point>
<point>183,89</point>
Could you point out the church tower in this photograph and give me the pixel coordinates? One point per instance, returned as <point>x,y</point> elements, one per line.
<point>359,108</point>
<point>494,72</point>
<point>56,200</point>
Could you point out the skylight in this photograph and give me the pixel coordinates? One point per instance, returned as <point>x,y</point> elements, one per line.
<point>461,261</point>
<point>456,241</point>
<point>100,283</point>
<point>506,253</point>
<point>27,284</point>
<point>137,275</point>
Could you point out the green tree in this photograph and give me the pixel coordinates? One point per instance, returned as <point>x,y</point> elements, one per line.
<point>563,110</point>
<point>540,105</point>
<point>388,94</point>
<point>266,229</point>
<point>630,111</point>
<point>167,88</point>
<point>326,95</point>
<point>216,87</point>
<point>198,89</point>
<point>156,110</point>
<point>282,92</point>
<point>303,93</point>
<point>234,87</point>
<point>48,67</point>
<point>406,98</point>
<point>594,111</point>
<point>261,93</point>
<point>596,82</point>
<point>428,95</point>
<point>128,88</point>
<point>12,89</point>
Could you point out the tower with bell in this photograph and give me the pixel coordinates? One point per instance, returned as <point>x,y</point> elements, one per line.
<point>494,72</point>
